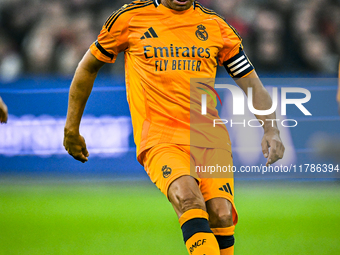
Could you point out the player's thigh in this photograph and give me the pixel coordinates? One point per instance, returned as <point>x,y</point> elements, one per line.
<point>218,192</point>
<point>184,194</point>
<point>168,166</point>
<point>165,163</point>
<point>219,196</point>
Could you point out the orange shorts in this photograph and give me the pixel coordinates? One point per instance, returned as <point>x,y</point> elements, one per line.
<point>164,163</point>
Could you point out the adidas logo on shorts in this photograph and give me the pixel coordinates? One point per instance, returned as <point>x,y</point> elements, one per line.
<point>226,188</point>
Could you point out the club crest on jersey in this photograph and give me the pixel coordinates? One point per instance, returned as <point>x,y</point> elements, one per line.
<point>166,171</point>
<point>201,33</point>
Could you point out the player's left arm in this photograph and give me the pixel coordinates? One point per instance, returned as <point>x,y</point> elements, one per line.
<point>237,64</point>
<point>262,101</point>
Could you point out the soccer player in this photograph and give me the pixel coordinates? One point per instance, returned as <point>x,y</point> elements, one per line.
<point>166,43</point>
<point>3,111</point>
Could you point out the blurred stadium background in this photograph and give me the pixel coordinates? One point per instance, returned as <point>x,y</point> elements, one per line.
<point>51,204</point>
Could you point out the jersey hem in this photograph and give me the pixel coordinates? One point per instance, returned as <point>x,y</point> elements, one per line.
<point>141,154</point>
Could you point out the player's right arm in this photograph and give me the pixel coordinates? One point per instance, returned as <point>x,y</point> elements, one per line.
<point>112,40</point>
<point>80,91</point>
<point>3,111</point>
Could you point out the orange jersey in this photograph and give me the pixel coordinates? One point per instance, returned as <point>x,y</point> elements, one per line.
<point>164,49</point>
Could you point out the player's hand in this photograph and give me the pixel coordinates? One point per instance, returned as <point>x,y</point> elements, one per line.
<point>3,112</point>
<point>76,146</point>
<point>272,146</point>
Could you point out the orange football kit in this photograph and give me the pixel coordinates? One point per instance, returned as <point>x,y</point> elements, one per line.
<point>170,58</point>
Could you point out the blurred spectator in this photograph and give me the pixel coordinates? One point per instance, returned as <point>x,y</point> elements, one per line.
<point>269,41</point>
<point>11,64</point>
<point>38,36</point>
<point>316,23</point>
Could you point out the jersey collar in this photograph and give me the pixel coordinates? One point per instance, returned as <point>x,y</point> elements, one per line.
<point>158,2</point>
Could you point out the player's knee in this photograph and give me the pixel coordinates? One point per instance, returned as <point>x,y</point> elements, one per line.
<point>221,218</point>
<point>190,201</point>
<point>184,194</point>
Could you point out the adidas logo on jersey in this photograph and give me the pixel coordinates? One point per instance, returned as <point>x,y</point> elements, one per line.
<point>226,188</point>
<point>149,34</point>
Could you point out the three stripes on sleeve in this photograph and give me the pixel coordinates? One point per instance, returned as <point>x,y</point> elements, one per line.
<point>239,65</point>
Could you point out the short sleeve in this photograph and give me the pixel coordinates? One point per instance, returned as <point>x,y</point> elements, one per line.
<point>231,42</point>
<point>232,55</point>
<point>112,39</point>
